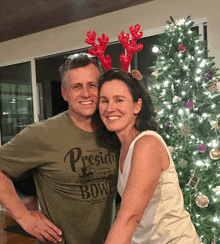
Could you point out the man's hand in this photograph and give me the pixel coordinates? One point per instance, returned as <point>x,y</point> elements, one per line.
<point>36,224</point>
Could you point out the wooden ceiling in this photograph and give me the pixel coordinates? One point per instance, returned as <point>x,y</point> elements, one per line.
<point>23,17</point>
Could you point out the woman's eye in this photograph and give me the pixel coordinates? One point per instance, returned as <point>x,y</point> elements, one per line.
<point>103,101</point>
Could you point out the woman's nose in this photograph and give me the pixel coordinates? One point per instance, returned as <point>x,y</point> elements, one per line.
<point>110,107</point>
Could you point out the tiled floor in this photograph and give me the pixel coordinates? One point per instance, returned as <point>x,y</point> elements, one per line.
<point>11,238</point>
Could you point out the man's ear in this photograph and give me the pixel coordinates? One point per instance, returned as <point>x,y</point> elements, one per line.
<point>64,95</point>
<point>138,106</point>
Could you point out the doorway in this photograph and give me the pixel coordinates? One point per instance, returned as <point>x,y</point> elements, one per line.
<point>48,78</point>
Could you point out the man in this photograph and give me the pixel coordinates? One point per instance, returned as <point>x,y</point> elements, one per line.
<point>75,178</point>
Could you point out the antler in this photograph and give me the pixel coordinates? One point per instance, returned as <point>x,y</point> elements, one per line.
<point>99,50</point>
<point>130,47</point>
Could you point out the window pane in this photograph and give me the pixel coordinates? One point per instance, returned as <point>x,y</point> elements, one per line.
<point>146,57</point>
<point>15,99</point>
<point>205,32</point>
<point>114,50</point>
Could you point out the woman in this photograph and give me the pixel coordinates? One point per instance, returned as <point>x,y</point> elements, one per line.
<point>152,209</point>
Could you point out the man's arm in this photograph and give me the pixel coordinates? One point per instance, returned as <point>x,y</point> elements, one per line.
<point>33,222</point>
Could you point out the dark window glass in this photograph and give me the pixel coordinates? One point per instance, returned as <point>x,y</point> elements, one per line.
<point>205,32</point>
<point>15,99</point>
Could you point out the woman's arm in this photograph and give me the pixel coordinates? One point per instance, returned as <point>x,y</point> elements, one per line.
<point>146,166</point>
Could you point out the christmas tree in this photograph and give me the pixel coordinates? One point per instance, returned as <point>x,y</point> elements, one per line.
<point>186,90</point>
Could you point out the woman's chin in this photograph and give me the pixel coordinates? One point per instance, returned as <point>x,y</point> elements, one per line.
<point>110,128</point>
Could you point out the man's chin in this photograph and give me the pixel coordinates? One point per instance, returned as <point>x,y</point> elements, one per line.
<point>83,114</point>
<point>89,114</point>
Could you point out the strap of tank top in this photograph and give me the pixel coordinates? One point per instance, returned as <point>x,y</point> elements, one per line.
<point>153,133</point>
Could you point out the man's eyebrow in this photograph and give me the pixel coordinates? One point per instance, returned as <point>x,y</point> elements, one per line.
<point>81,84</point>
<point>76,84</point>
<point>96,82</point>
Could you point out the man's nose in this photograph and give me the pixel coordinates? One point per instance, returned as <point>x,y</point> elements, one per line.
<point>86,92</point>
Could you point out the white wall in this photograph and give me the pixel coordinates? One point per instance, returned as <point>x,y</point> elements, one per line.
<point>149,15</point>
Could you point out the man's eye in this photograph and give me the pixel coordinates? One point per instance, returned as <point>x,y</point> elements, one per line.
<point>119,100</point>
<point>93,85</point>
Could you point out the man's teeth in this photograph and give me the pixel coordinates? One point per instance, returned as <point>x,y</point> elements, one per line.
<point>85,102</point>
<point>113,118</point>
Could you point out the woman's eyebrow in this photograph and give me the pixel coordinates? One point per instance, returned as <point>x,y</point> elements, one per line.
<point>116,96</point>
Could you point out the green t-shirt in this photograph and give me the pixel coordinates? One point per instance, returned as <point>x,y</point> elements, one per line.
<point>76,179</point>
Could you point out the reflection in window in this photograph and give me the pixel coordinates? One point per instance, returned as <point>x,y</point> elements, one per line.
<point>146,57</point>
<point>15,99</point>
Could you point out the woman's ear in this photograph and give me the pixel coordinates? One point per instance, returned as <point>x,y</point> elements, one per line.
<point>138,106</point>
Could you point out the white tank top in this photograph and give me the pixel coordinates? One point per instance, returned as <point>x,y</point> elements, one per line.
<point>164,220</point>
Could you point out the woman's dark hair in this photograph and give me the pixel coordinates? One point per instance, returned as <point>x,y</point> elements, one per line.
<point>145,119</point>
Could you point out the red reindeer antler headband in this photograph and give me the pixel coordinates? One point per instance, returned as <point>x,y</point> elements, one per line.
<point>124,39</point>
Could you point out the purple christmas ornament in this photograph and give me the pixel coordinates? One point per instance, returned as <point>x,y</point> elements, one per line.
<point>188,104</point>
<point>208,76</point>
<point>166,126</point>
<point>202,147</point>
